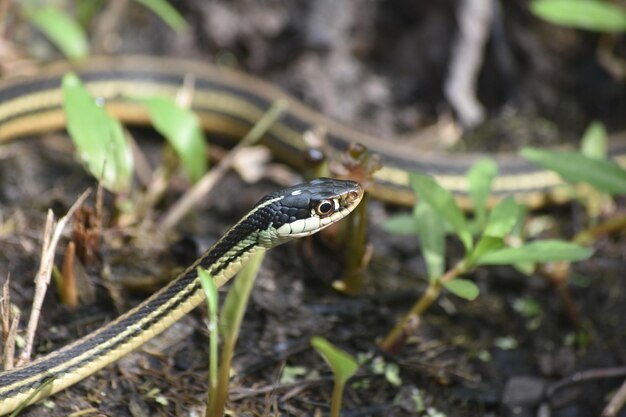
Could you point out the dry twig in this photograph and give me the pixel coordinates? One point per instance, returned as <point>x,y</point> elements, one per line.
<point>616,403</point>
<point>50,240</point>
<point>10,322</point>
<point>474,19</point>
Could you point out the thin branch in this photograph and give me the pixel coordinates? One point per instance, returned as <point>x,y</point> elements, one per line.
<point>10,323</point>
<point>51,238</point>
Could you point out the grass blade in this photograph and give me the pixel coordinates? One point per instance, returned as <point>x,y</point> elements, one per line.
<point>166,12</point>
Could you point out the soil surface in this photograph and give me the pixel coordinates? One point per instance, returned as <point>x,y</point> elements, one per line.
<point>380,66</point>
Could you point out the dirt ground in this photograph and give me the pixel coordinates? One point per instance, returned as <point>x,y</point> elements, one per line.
<point>380,66</point>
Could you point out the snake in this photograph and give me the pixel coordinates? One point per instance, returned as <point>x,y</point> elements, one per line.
<point>227,102</point>
<point>281,216</point>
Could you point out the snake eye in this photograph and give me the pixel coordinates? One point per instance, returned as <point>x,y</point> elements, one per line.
<point>325,208</point>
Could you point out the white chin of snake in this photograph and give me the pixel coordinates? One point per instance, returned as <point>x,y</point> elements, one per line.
<point>306,227</point>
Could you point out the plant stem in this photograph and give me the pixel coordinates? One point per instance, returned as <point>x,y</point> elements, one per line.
<point>586,237</point>
<point>335,405</point>
<point>396,338</point>
<point>356,252</point>
<point>398,335</point>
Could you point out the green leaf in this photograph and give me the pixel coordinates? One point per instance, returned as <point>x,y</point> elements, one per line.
<point>166,12</point>
<point>502,218</point>
<point>594,141</point>
<point>342,363</point>
<point>480,177</point>
<point>62,30</point>
<point>181,128</point>
<point>401,224</point>
<point>574,167</point>
<point>432,235</point>
<point>539,251</point>
<point>443,202</point>
<point>237,299</point>
<point>485,245</point>
<point>99,139</point>
<point>463,288</point>
<point>594,15</point>
<point>210,291</point>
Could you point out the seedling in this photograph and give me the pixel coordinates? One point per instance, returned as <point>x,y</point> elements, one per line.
<point>229,325</point>
<point>343,365</point>
<point>436,211</point>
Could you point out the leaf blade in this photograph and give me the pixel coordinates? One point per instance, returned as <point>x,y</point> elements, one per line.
<point>432,236</point>
<point>574,167</point>
<point>444,203</point>
<point>62,30</point>
<point>181,128</point>
<point>463,288</point>
<point>343,365</point>
<point>99,139</point>
<point>539,251</point>
<point>581,14</point>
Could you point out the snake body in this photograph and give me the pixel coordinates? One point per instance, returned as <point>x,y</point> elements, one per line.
<point>279,217</point>
<point>229,102</point>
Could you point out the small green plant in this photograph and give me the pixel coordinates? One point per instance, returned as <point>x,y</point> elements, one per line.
<point>61,29</point>
<point>592,179</point>
<point>437,211</point>
<point>101,141</point>
<point>593,15</point>
<point>228,327</point>
<point>588,166</point>
<point>343,365</point>
<point>67,32</point>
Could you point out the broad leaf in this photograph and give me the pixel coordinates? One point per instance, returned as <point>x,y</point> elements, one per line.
<point>181,128</point>
<point>99,139</point>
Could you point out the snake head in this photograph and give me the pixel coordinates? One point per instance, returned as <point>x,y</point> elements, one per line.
<point>307,208</point>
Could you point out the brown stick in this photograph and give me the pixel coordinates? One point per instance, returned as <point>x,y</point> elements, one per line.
<point>50,240</point>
